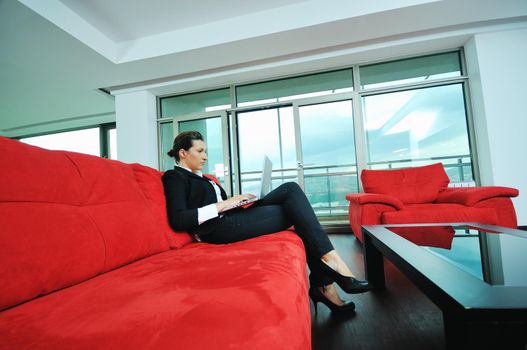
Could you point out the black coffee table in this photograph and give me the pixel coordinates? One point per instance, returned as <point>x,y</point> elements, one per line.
<point>476,274</point>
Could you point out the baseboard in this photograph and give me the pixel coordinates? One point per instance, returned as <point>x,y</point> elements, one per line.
<point>337,228</point>
<point>522,227</point>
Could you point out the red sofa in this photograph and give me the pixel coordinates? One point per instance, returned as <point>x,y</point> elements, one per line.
<point>422,195</point>
<point>88,261</point>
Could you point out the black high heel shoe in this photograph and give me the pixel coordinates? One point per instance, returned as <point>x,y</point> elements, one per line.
<point>350,285</point>
<point>318,297</point>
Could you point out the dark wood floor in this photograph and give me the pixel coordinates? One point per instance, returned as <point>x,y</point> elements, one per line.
<point>399,317</point>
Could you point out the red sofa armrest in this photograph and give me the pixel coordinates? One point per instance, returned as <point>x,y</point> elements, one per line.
<point>375,198</point>
<point>472,195</point>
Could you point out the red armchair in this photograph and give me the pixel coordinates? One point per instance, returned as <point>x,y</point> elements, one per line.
<point>421,195</point>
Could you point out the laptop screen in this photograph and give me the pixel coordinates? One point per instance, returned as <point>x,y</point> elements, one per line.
<point>267,171</point>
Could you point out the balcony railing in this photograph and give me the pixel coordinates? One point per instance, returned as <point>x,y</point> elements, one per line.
<point>326,186</point>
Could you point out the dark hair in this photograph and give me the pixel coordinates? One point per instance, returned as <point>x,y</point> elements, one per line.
<point>183,141</point>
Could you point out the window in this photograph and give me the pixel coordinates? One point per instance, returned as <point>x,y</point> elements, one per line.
<point>401,113</point>
<point>289,89</point>
<point>412,70</point>
<point>83,141</point>
<point>98,141</point>
<point>112,145</point>
<point>417,127</point>
<point>197,102</point>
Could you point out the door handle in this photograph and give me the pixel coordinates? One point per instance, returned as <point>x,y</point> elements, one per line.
<point>302,165</point>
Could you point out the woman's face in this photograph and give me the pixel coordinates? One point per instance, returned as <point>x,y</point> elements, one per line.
<point>195,157</point>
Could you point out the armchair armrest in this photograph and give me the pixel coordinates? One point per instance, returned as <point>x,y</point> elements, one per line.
<point>375,198</point>
<point>472,195</point>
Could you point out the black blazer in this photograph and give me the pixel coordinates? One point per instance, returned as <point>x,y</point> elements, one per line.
<point>185,192</point>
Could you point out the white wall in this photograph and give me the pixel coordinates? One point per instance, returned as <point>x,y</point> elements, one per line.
<point>136,128</point>
<point>496,67</point>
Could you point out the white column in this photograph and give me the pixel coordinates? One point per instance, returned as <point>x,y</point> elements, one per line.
<point>496,68</point>
<point>136,128</point>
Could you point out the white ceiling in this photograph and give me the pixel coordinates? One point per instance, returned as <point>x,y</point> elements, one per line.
<point>125,31</point>
<point>144,18</point>
<point>55,54</point>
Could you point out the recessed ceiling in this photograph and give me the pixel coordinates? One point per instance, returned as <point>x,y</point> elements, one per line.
<point>56,54</point>
<point>123,20</point>
<point>125,31</point>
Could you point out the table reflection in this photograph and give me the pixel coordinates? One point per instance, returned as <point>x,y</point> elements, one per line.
<point>495,257</point>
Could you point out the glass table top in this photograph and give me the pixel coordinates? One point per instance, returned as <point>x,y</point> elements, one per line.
<point>497,258</point>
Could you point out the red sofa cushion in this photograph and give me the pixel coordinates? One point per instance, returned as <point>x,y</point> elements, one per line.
<point>431,213</point>
<point>152,188</point>
<point>66,217</point>
<point>45,247</point>
<point>410,185</point>
<point>245,295</point>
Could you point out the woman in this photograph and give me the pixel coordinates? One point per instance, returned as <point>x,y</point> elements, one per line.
<point>195,204</point>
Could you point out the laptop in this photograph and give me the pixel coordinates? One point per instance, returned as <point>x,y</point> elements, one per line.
<point>265,186</point>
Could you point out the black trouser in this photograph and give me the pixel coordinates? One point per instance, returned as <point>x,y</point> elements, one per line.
<point>282,208</point>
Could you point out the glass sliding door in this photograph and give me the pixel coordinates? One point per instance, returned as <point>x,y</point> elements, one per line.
<point>311,144</point>
<point>271,132</point>
<point>213,127</point>
<point>327,159</point>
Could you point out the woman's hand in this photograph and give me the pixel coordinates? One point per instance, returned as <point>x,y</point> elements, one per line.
<point>221,206</point>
